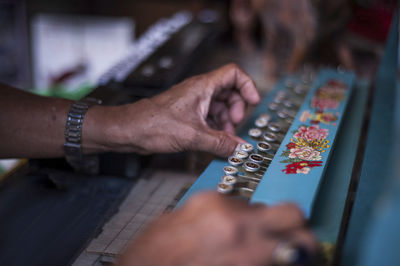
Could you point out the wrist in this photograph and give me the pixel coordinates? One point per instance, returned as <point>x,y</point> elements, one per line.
<point>97,134</point>
<point>113,129</point>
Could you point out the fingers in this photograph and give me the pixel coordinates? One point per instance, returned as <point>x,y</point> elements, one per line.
<point>220,117</point>
<point>237,108</point>
<point>232,77</point>
<point>220,143</point>
<point>238,231</point>
<point>283,218</point>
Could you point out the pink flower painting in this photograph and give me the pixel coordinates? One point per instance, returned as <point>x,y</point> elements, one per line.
<point>305,153</point>
<point>311,133</point>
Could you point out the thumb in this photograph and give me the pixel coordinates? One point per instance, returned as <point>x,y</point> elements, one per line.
<point>220,143</point>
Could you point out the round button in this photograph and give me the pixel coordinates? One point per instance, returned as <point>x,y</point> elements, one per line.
<point>264,146</point>
<point>230,170</point>
<point>281,94</point>
<point>289,84</point>
<point>261,122</point>
<point>265,116</point>
<point>288,104</point>
<point>273,106</point>
<point>241,154</point>
<point>235,161</point>
<point>270,137</point>
<point>247,147</point>
<point>282,114</point>
<point>224,188</point>
<point>256,158</point>
<point>299,90</point>
<point>255,132</point>
<point>229,180</point>
<point>251,167</point>
<point>274,127</point>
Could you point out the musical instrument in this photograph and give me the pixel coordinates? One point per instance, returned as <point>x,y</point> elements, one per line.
<point>289,145</point>
<point>308,146</point>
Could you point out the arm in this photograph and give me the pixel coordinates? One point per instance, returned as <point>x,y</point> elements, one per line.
<point>179,119</point>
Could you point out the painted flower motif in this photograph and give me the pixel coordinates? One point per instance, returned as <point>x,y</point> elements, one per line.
<point>324,103</point>
<point>331,90</point>
<point>337,83</point>
<point>290,145</point>
<point>298,166</point>
<point>311,133</point>
<point>333,93</point>
<point>308,142</point>
<point>305,153</point>
<point>327,118</point>
<point>304,170</point>
<point>304,116</point>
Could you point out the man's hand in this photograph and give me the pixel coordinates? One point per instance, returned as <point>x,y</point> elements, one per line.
<point>198,114</point>
<point>214,230</point>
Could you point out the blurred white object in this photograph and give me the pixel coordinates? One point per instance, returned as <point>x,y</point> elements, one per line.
<point>146,45</point>
<point>7,164</point>
<point>84,47</point>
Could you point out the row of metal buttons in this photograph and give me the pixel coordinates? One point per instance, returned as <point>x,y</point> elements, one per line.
<point>248,164</point>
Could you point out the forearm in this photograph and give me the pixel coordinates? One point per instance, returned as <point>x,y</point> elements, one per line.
<point>30,125</point>
<point>33,126</point>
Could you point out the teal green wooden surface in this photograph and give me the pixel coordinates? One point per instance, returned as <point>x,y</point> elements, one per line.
<point>331,199</point>
<point>277,186</point>
<point>377,177</point>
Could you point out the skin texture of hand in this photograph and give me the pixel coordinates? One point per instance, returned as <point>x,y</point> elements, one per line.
<point>214,230</point>
<point>198,114</point>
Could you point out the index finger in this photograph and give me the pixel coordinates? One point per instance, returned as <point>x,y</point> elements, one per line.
<point>280,218</point>
<point>232,77</point>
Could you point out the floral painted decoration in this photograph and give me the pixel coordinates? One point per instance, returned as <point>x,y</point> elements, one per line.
<point>308,142</point>
<point>319,117</point>
<point>329,96</point>
<point>304,150</point>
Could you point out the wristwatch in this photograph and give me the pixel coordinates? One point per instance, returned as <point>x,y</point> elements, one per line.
<point>73,137</point>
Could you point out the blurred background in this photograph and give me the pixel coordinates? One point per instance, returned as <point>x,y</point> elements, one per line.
<point>65,45</point>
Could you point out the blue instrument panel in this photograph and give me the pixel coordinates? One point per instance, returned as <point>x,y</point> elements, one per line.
<point>309,114</point>
<point>297,169</point>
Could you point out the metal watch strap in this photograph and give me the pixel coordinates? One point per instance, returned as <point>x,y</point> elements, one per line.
<point>73,137</point>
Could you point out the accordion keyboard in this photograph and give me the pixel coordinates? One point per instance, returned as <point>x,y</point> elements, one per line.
<point>290,137</point>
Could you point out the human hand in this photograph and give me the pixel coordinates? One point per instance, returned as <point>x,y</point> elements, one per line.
<point>214,230</point>
<point>199,113</point>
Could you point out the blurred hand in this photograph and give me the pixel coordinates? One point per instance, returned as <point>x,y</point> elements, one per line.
<point>214,230</point>
<point>198,114</point>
